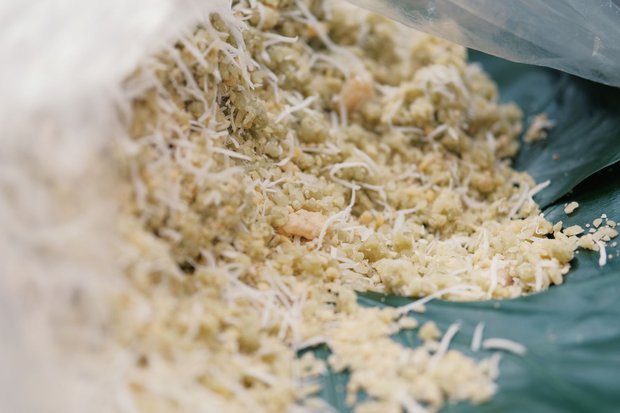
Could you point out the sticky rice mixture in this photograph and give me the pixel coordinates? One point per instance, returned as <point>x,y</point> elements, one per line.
<point>288,153</point>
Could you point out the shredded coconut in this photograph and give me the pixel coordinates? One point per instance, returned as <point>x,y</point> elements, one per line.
<point>602,260</point>
<point>476,340</point>
<point>504,344</point>
<point>445,343</point>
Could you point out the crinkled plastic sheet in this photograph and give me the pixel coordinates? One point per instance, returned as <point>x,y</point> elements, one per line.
<point>575,36</point>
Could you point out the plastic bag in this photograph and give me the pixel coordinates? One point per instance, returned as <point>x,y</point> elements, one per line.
<point>576,36</point>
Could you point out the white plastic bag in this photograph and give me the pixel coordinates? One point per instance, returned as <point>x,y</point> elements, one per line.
<point>581,37</point>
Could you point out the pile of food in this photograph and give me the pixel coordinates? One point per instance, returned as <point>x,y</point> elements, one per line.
<point>286,154</point>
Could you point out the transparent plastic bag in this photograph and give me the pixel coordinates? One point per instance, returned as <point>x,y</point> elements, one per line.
<point>581,37</point>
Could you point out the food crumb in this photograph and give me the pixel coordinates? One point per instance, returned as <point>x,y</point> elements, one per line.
<point>573,230</point>
<point>408,323</point>
<point>570,208</point>
<point>429,331</point>
<point>538,128</point>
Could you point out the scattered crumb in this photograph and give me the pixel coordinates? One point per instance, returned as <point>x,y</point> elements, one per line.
<point>429,331</point>
<point>573,230</point>
<point>570,208</point>
<point>538,128</point>
<point>407,323</point>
